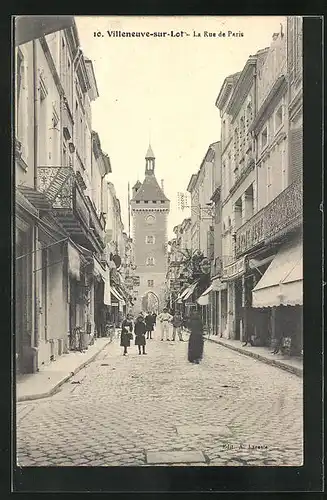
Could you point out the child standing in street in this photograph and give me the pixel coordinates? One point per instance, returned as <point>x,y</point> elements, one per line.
<point>126,333</point>
<point>140,330</point>
<point>177,326</point>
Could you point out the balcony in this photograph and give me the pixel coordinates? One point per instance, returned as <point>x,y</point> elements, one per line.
<point>280,217</point>
<point>70,205</point>
<point>285,212</point>
<point>250,234</point>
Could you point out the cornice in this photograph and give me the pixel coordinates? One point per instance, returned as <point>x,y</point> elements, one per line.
<point>242,87</point>
<point>52,65</point>
<point>295,105</point>
<point>268,105</point>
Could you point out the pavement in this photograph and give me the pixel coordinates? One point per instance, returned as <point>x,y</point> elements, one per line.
<point>290,364</point>
<point>159,409</point>
<point>49,378</point>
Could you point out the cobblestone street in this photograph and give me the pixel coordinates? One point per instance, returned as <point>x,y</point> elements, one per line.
<point>230,410</point>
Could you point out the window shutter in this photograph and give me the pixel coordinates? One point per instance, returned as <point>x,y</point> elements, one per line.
<point>295,156</point>
<point>290,43</point>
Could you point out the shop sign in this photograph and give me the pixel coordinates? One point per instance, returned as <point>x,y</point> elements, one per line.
<point>129,282</point>
<point>74,262</point>
<point>136,280</point>
<point>234,270</point>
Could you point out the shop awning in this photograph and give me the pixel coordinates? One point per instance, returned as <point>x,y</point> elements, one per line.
<point>181,295</point>
<point>282,283</point>
<point>189,291</point>
<point>98,270</point>
<point>116,294</point>
<point>203,300</point>
<point>218,285</point>
<point>107,290</point>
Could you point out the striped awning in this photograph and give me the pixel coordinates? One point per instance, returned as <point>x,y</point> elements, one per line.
<point>190,290</point>
<point>203,300</point>
<point>282,283</point>
<point>116,294</point>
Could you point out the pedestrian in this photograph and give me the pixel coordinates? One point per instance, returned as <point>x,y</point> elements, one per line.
<point>195,343</point>
<point>140,330</point>
<point>126,333</point>
<point>165,318</point>
<point>149,325</point>
<point>154,316</point>
<point>177,325</point>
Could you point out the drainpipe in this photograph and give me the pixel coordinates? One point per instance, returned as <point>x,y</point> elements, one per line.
<point>35,341</point>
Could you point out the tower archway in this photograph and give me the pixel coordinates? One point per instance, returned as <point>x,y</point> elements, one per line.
<point>150,302</point>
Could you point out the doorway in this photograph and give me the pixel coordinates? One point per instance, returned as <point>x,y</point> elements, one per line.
<point>238,309</point>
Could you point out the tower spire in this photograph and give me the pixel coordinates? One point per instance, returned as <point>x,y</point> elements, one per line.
<point>149,161</point>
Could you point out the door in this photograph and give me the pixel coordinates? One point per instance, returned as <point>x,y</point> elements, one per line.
<point>238,309</point>
<point>217,314</point>
<point>43,309</point>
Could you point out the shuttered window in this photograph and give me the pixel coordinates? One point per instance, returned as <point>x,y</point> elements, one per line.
<point>210,244</point>
<point>290,26</point>
<point>295,156</point>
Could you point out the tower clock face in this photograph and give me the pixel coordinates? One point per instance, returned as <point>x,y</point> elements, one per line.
<point>150,219</point>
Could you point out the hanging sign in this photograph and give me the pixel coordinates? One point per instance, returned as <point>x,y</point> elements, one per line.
<point>74,262</point>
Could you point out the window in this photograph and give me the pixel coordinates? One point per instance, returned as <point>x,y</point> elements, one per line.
<point>146,201</point>
<point>279,118</point>
<point>149,240</point>
<point>19,75</point>
<point>264,137</point>
<point>150,219</point>
<point>150,261</point>
<point>64,156</point>
<point>150,283</point>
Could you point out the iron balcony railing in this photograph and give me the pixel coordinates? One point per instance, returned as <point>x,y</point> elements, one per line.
<point>280,216</point>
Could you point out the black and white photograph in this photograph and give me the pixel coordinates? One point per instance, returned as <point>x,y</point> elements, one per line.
<point>158,241</point>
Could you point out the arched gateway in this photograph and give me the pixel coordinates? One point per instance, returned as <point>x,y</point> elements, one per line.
<point>150,302</point>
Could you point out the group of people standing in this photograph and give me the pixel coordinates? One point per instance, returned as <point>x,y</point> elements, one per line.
<point>143,328</point>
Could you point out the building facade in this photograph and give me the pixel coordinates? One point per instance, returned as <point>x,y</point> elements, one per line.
<point>61,200</point>
<point>150,208</point>
<point>264,304</point>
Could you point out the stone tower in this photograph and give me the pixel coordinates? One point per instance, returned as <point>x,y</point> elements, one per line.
<point>150,208</point>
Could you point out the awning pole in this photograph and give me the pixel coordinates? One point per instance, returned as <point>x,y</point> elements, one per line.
<point>43,248</point>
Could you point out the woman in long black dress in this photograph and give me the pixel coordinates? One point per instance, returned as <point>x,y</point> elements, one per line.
<point>126,333</point>
<point>195,343</point>
<point>140,330</point>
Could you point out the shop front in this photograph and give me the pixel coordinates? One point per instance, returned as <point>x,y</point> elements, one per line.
<point>24,314</point>
<point>219,305</point>
<point>280,291</point>
<point>232,300</point>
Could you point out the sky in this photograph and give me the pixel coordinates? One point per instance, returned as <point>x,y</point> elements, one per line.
<point>163,90</point>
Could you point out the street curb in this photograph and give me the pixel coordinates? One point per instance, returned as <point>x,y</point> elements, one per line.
<point>291,369</point>
<point>62,381</point>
